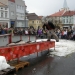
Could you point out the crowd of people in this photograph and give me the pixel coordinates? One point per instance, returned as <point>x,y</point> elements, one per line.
<point>17,31</point>
<point>68,34</point>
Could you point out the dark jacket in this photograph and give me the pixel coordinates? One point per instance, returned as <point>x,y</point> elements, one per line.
<point>49,26</point>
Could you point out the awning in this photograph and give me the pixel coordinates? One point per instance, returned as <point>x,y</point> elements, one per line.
<point>12,22</point>
<point>66,26</point>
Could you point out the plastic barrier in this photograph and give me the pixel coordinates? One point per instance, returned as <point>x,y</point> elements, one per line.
<point>17,51</point>
<point>51,44</point>
<point>32,48</point>
<point>44,46</point>
<point>13,52</point>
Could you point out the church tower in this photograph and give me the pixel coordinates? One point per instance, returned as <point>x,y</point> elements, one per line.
<point>65,6</point>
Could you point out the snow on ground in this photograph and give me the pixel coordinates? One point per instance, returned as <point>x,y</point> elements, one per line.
<point>62,48</point>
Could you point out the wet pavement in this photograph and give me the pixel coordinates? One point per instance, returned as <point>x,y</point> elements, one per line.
<point>47,65</point>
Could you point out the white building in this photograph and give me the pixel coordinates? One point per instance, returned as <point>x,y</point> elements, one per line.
<point>73,22</point>
<point>68,19</point>
<point>20,13</point>
<point>4,15</point>
<point>65,18</point>
<point>15,10</point>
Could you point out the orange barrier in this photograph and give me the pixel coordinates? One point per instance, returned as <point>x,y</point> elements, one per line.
<point>17,51</point>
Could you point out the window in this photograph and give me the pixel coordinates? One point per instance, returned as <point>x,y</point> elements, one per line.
<point>12,4</point>
<point>22,24</point>
<point>1,8</point>
<point>17,6</point>
<point>12,13</point>
<point>1,14</point>
<point>5,14</point>
<point>32,21</point>
<point>70,21</point>
<point>39,21</point>
<point>22,7</point>
<point>5,8</point>
<point>66,20</point>
<point>63,20</point>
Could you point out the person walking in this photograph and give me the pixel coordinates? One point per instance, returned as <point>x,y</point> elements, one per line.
<point>50,29</point>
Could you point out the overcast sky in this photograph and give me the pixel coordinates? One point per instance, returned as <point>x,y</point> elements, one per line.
<point>47,7</point>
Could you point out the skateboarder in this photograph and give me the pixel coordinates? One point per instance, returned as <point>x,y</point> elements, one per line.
<point>50,28</point>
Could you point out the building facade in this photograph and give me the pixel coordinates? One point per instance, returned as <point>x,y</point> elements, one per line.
<point>64,18</point>
<point>16,15</point>
<point>20,13</point>
<point>4,15</point>
<point>12,13</point>
<point>34,21</point>
<point>68,19</point>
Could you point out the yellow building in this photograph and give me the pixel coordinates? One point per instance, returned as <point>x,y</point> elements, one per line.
<point>34,20</point>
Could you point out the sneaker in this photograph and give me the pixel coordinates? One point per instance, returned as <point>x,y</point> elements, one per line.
<point>57,40</point>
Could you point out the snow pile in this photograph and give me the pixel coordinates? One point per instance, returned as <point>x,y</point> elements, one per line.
<point>39,40</point>
<point>21,42</point>
<point>63,48</point>
<point>11,44</point>
<point>3,63</point>
<point>16,43</point>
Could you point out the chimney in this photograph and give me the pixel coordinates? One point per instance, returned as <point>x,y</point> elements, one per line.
<point>69,11</point>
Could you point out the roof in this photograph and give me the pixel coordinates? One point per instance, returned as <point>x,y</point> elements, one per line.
<point>40,17</point>
<point>48,16</point>
<point>33,16</point>
<point>69,13</point>
<point>58,14</point>
<point>1,4</point>
<point>25,5</point>
<point>12,0</point>
<point>4,2</point>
